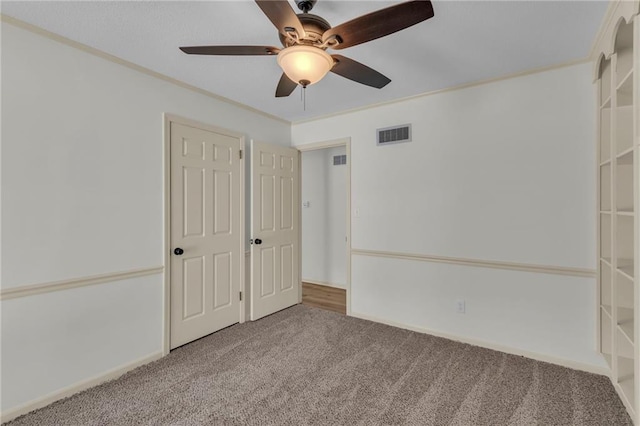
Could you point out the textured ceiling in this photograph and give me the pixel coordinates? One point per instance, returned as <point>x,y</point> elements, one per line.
<point>466,41</point>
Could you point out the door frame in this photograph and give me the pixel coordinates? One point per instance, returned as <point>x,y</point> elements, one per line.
<point>346,142</point>
<point>166,244</point>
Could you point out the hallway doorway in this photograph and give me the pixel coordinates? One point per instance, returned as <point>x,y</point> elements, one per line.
<point>326,227</point>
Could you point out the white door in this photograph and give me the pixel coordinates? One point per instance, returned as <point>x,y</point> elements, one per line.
<point>206,240</point>
<point>275,230</point>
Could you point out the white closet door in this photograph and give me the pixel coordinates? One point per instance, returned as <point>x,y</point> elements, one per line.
<point>205,232</point>
<point>275,229</point>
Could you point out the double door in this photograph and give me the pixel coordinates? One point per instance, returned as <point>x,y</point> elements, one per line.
<point>207,256</point>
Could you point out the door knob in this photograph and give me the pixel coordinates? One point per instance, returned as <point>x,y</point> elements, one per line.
<point>178,251</point>
<point>257,241</point>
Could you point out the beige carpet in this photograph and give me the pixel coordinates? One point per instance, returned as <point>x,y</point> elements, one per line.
<point>307,366</point>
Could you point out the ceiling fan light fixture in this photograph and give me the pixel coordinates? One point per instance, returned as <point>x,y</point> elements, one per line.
<point>305,63</point>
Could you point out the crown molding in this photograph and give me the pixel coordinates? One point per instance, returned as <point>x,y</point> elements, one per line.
<point>448,89</point>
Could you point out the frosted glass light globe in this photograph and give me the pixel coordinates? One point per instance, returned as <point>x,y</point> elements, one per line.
<point>305,64</point>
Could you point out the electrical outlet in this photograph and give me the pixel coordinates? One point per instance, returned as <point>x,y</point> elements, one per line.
<point>460,307</point>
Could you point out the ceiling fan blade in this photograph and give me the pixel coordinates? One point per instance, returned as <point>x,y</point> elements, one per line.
<point>380,23</point>
<point>230,50</point>
<point>286,86</point>
<point>360,73</point>
<point>281,15</point>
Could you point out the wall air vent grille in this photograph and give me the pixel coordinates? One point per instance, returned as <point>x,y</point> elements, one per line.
<point>395,134</point>
<point>339,160</point>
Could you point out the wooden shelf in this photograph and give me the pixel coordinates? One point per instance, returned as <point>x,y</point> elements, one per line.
<point>624,347</point>
<point>625,296</point>
<point>628,77</point>
<point>624,131</point>
<point>625,267</point>
<point>626,152</point>
<point>625,157</point>
<point>627,330</point>
<point>625,93</point>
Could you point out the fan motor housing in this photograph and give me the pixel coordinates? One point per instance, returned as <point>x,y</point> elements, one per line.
<point>305,5</point>
<point>314,27</point>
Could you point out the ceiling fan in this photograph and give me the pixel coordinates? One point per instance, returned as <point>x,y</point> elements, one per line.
<point>306,37</point>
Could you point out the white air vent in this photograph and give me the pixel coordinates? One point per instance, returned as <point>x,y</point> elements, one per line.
<point>395,134</point>
<point>339,160</point>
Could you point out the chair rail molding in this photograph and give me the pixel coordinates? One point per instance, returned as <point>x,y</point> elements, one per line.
<point>526,267</point>
<point>32,290</point>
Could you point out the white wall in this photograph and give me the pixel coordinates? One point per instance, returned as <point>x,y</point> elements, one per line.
<point>82,194</point>
<point>500,172</point>
<point>56,339</point>
<point>535,313</point>
<point>324,226</point>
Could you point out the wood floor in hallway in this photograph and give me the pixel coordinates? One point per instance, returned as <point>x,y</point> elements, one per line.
<point>324,297</point>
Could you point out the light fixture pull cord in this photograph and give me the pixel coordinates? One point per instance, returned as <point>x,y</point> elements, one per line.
<point>304,84</point>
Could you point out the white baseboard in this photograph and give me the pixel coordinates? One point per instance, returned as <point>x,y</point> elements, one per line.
<point>603,371</point>
<point>316,282</point>
<point>75,388</point>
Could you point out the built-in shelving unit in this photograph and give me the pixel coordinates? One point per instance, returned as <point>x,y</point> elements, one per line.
<point>618,197</point>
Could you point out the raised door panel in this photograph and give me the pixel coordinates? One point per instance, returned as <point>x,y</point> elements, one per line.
<point>193,195</point>
<point>193,287</point>
<point>223,206</point>
<point>267,271</point>
<point>287,259</point>
<point>287,209</point>
<point>267,203</point>
<point>223,280</point>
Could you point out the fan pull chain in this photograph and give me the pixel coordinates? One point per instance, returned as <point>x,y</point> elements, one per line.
<point>304,84</point>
